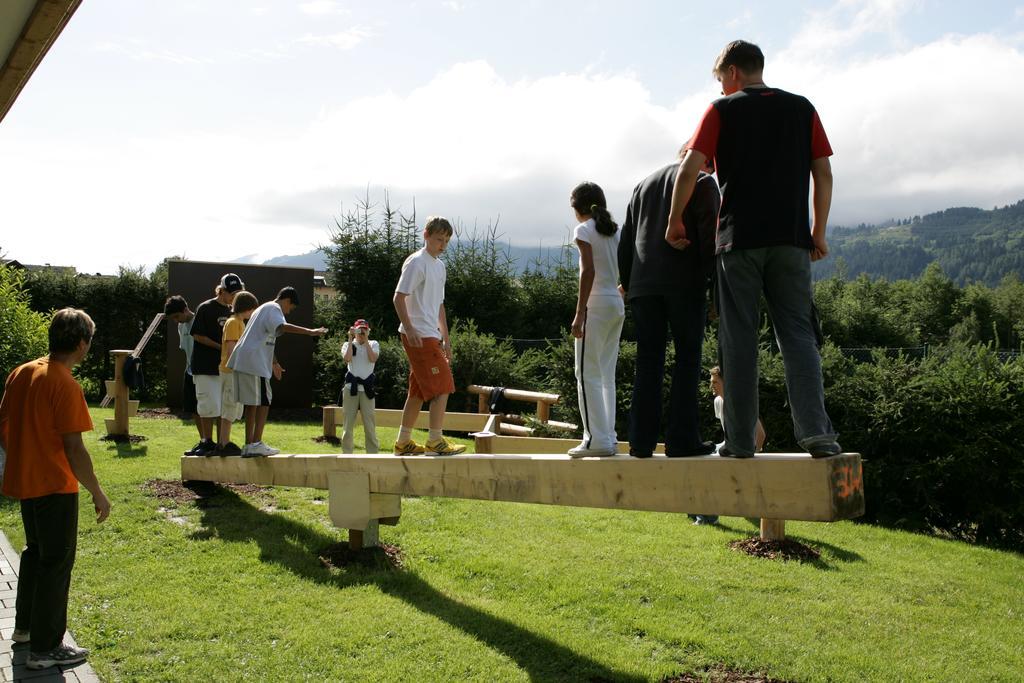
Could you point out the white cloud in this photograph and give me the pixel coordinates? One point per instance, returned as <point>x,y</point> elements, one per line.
<point>343,40</point>
<point>827,32</point>
<point>454,5</point>
<point>468,144</point>
<point>923,128</point>
<point>322,7</point>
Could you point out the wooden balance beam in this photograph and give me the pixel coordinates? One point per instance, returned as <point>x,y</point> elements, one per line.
<point>366,490</point>
<point>386,417</point>
<point>334,415</point>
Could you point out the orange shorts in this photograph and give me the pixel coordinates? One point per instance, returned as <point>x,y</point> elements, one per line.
<point>430,374</point>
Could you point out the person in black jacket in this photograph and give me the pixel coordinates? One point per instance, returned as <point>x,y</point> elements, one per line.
<point>666,288</point>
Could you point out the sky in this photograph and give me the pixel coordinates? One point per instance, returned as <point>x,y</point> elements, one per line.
<point>216,130</point>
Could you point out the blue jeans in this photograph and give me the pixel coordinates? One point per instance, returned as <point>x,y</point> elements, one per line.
<point>683,314</point>
<point>783,274</point>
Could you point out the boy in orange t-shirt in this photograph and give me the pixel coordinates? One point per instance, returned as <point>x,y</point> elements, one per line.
<point>42,416</point>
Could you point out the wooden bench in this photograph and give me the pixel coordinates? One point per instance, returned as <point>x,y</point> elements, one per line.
<point>544,401</point>
<point>366,490</point>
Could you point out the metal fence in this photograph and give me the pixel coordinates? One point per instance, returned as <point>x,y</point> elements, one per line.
<point>861,354</point>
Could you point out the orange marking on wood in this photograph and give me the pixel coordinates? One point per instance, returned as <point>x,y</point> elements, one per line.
<point>848,480</point>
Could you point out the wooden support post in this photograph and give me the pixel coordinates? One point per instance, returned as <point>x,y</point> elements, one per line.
<point>330,421</point>
<point>773,529</point>
<point>543,411</point>
<point>122,409</point>
<point>481,405</point>
<point>353,507</point>
<point>365,538</point>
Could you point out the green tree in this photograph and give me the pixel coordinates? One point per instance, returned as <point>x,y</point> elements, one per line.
<point>364,258</point>
<point>482,283</point>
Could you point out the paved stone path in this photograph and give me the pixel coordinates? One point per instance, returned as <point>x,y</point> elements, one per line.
<point>13,656</point>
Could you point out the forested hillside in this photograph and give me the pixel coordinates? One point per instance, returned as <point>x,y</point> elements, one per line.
<point>971,245</point>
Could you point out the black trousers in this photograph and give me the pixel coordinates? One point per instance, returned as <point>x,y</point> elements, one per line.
<point>654,317</point>
<point>51,535</point>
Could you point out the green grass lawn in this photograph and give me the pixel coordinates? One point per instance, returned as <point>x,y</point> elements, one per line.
<point>233,590</point>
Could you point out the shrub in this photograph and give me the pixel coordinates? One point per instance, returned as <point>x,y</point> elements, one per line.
<point>122,308</point>
<point>943,443</point>
<point>478,359</point>
<point>940,436</point>
<point>22,330</point>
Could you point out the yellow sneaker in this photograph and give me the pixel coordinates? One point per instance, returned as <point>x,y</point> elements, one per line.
<point>442,447</point>
<point>410,447</point>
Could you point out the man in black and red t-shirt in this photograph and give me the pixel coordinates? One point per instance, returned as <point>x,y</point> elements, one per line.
<point>767,145</point>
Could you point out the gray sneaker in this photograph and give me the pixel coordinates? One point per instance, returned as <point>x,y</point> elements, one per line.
<point>62,655</point>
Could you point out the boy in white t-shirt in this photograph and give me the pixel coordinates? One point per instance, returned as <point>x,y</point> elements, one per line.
<point>419,302</point>
<point>254,363</point>
<point>357,393</point>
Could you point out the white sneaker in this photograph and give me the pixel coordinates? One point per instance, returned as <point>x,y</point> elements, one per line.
<point>245,449</point>
<point>260,449</point>
<point>582,451</point>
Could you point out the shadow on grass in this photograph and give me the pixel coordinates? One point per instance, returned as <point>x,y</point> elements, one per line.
<point>840,554</point>
<point>294,547</point>
<point>128,450</point>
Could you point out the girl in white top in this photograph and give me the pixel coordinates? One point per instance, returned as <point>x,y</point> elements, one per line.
<point>598,322</point>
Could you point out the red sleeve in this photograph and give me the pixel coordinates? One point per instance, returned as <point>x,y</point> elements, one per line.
<point>705,139</point>
<point>819,141</point>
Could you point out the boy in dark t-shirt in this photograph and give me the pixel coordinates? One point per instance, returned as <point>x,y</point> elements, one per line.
<point>207,331</point>
<point>767,145</point>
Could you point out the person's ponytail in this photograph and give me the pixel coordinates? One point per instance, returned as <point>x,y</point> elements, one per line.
<point>588,200</point>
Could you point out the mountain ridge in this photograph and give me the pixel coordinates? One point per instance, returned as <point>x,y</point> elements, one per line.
<point>970,244</point>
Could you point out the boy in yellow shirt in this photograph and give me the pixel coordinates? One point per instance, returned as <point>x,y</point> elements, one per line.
<point>242,307</point>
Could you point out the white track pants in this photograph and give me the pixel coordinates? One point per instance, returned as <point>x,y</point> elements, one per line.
<point>596,355</point>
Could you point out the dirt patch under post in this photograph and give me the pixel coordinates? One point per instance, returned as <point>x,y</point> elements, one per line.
<point>189,491</point>
<point>785,549</point>
<point>719,673</point>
